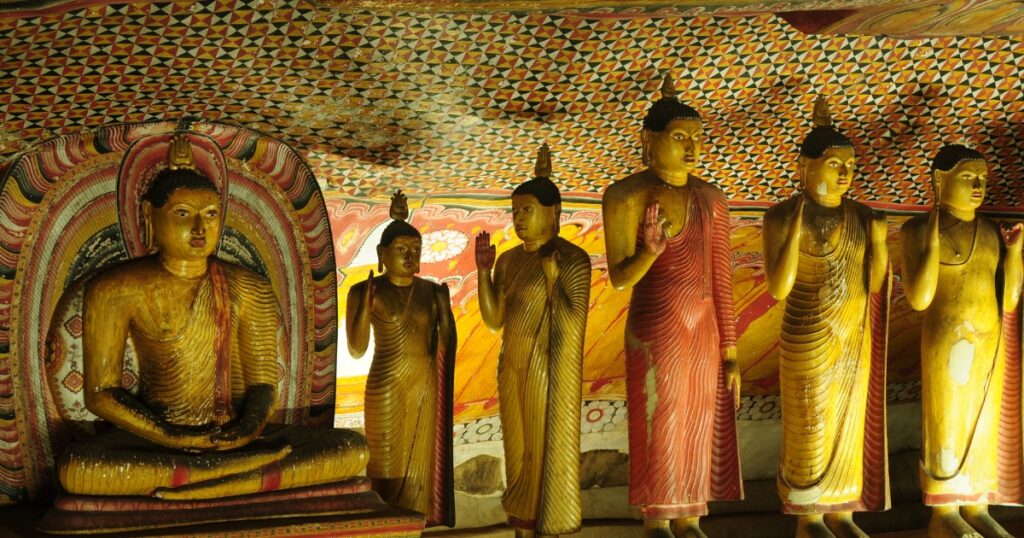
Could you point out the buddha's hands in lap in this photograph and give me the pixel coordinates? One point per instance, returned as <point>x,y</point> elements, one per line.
<point>193,438</point>
<point>237,435</point>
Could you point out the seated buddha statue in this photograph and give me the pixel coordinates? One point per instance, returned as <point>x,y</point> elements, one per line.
<point>205,338</point>
<point>409,386</point>
<point>965,275</point>
<point>826,260</point>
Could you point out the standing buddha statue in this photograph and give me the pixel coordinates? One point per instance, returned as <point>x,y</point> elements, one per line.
<point>205,334</point>
<point>409,388</point>
<point>667,236</point>
<point>966,277</point>
<point>826,258</point>
<point>538,296</point>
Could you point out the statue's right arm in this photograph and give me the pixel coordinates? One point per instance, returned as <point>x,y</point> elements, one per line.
<point>622,211</point>
<point>781,234</point>
<point>103,345</point>
<point>492,297</point>
<point>357,318</point>
<point>920,260</point>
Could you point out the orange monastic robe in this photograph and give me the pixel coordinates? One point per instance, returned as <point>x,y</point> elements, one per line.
<point>682,425</point>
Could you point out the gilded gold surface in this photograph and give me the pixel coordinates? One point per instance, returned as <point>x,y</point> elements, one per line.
<point>413,335</point>
<point>964,275</point>
<point>824,256</point>
<point>538,297</point>
<point>173,440</point>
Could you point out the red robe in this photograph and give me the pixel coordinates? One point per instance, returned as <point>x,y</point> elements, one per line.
<point>682,423</point>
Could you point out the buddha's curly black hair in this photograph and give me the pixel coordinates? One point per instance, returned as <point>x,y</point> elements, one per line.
<point>951,154</point>
<point>541,188</point>
<point>168,181</point>
<point>822,138</point>
<point>396,229</point>
<point>666,109</point>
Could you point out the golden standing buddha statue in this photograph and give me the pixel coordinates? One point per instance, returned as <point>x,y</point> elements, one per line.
<point>967,280</point>
<point>826,258</point>
<point>205,336</point>
<point>409,388</point>
<point>538,296</point>
<point>667,236</point>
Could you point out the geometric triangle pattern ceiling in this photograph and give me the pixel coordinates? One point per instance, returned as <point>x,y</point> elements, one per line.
<point>459,103</point>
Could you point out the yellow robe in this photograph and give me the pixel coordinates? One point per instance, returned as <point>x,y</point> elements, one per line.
<point>832,374</point>
<point>539,386</point>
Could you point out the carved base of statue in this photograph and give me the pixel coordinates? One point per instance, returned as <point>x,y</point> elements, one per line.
<point>343,508</point>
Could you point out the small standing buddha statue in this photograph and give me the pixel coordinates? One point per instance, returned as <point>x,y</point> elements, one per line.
<point>667,236</point>
<point>205,334</point>
<point>409,388</point>
<point>826,259</point>
<point>538,296</point>
<point>966,277</point>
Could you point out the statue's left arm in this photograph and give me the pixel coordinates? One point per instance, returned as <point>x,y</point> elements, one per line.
<point>721,275</point>
<point>258,347</point>
<point>1013,272</point>
<point>570,284</point>
<point>878,229</point>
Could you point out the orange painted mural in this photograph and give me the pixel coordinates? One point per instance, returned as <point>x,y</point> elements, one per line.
<point>449,225</point>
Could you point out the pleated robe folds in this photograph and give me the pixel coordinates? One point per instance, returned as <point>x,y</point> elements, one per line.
<point>539,386</point>
<point>832,374</point>
<point>682,424</point>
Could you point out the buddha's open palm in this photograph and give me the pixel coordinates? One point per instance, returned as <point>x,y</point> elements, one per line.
<point>653,227</point>
<point>485,252</point>
<point>1012,237</point>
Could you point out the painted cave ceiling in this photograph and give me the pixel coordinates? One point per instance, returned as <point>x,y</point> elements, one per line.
<point>457,95</point>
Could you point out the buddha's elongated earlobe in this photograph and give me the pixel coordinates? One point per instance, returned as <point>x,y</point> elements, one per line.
<point>147,227</point>
<point>380,260</point>
<point>645,147</point>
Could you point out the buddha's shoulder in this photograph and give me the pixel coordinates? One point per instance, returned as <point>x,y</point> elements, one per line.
<point>915,223</point>
<point>783,209</point>
<point>706,188</point>
<point>573,251</point>
<point>132,275</point>
<point>860,208</point>
<point>242,276</point>
<point>629,186</point>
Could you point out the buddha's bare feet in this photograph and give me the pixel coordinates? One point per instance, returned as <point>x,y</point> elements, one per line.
<point>812,526</point>
<point>687,527</point>
<point>841,524</point>
<point>978,517</point>
<point>946,522</point>
<point>657,528</point>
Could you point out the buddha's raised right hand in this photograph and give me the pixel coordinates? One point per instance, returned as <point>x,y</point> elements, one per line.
<point>485,252</point>
<point>653,229</point>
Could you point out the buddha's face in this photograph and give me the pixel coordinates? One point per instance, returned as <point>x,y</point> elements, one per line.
<point>827,178</point>
<point>532,220</point>
<point>187,225</point>
<point>675,151</point>
<point>963,186</point>
<point>402,257</point>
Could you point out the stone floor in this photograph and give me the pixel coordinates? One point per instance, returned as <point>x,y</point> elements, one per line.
<point>17,522</point>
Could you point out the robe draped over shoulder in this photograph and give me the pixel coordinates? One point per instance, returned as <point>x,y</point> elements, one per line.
<point>682,425</point>
<point>976,353</point>
<point>832,374</point>
<point>540,389</point>
<point>409,396</point>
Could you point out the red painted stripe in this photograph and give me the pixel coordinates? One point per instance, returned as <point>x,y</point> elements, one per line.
<point>271,478</point>
<point>180,475</point>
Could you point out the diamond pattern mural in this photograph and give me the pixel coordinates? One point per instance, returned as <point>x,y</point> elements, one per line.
<point>457,102</point>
